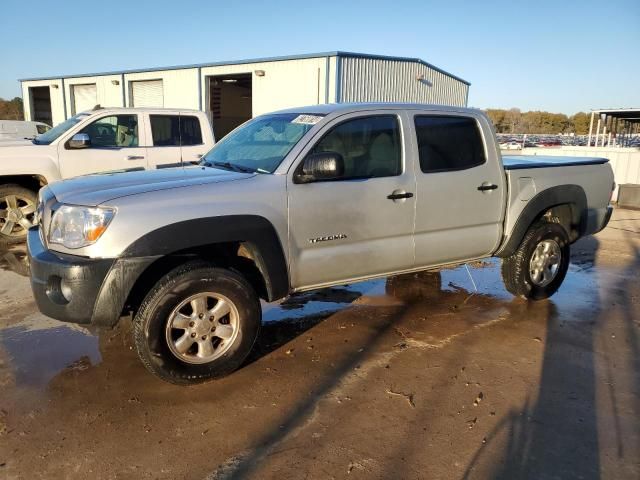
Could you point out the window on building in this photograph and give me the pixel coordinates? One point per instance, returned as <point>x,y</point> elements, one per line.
<point>370,146</point>
<point>448,143</point>
<point>113,131</point>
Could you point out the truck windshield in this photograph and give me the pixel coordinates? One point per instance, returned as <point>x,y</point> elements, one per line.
<point>48,137</point>
<point>261,144</point>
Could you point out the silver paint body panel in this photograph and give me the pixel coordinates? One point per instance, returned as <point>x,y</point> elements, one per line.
<point>365,234</point>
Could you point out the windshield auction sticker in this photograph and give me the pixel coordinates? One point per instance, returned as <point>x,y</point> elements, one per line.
<point>307,119</point>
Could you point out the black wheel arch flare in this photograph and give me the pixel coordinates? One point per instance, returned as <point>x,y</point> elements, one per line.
<point>258,234</point>
<point>569,194</point>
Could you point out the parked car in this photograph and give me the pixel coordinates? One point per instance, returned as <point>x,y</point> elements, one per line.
<point>21,130</point>
<point>299,200</point>
<point>511,146</point>
<point>101,140</point>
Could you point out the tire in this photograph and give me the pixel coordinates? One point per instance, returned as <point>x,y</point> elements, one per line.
<point>161,334</point>
<point>517,274</point>
<point>20,203</point>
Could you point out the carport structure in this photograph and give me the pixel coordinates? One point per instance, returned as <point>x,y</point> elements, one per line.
<point>618,125</point>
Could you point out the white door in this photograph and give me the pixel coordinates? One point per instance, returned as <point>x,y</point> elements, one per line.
<point>85,97</point>
<point>115,146</point>
<point>360,224</point>
<point>460,190</point>
<point>147,93</point>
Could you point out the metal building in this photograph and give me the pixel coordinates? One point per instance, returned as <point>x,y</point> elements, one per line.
<point>232,92</point>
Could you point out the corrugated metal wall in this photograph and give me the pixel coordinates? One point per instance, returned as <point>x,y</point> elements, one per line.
<point>285,83</point>
<point>376,80</point>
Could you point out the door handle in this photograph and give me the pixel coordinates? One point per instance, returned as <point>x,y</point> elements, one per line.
<point>399,195</point>
<point>487,186</point>
<point>200,155</point>
<point>135,157</point>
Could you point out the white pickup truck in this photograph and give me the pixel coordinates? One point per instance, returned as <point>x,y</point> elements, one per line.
<point>298,200</point>
<point>96,141</point>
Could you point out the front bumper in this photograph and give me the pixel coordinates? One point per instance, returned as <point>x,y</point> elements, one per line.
<point>56,276</point>
<point>78,289</point>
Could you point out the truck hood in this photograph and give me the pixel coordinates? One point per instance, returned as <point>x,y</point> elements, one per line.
<point>92,190</point>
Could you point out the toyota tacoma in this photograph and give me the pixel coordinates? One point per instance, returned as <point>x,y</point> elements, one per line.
<point>299,200</point>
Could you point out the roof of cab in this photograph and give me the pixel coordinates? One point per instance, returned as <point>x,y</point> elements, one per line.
<point>137,109</point>
<point>342,108</point>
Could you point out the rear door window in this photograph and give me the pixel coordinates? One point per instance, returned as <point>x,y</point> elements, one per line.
<point>448,143</point>
<point>165,130</point>
<point>175,130</point>
<point>190,132</point>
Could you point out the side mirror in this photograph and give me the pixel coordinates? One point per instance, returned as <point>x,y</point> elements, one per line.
<point>322,166</point>
<point>80,140</point>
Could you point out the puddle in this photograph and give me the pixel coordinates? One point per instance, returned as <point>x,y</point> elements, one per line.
<point>38,348</point>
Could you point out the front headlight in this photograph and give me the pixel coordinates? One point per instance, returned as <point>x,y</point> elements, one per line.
<point>76,227</point>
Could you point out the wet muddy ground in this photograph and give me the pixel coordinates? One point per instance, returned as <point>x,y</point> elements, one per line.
<point>417,376</point>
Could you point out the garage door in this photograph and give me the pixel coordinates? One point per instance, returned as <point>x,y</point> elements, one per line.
<point>147,94</point>
<point>84,97</point>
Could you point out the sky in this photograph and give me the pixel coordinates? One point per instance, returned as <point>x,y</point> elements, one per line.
<point>560,56</point>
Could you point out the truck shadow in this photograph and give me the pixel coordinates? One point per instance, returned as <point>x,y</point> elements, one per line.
<point>555,433</point>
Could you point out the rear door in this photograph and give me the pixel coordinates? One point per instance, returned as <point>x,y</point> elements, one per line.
<point>349,228</point>
<point>191,138</point>
<point>164,149</point>
<point>461,190</point>
<point>115,145</point>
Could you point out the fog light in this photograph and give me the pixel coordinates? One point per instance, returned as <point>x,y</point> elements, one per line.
<point>58,291</point>
<point>65,289</point>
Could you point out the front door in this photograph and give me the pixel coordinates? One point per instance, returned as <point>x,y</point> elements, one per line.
<point>360,224</point>
<point>114,146</point>
<point>460,190</point>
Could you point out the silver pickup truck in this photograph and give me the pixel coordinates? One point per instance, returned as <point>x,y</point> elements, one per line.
<point>299,200</point>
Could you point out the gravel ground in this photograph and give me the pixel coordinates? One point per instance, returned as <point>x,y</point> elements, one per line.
<point>416,376</point>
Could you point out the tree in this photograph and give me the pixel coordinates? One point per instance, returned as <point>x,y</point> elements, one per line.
<point>537,122</point>
<point>11,109</point>
<point>580,122</point>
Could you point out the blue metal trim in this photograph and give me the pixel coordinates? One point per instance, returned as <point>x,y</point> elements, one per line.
<point>338,79</point>
<point>200,88</point>
<point>326,80</point>
<point>64,101</point>
<point>124,93</point>
<point>254,60</point>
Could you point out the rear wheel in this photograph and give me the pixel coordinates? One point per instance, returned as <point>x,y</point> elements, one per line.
<point>197,323</point>
<point>17,213</point>
<point>537,268</point>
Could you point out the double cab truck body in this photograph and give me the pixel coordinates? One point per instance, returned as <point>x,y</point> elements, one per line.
<point>101,140</point>
<point>299,200</point>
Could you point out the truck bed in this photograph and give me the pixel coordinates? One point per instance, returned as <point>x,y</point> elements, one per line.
<point>517,162</point>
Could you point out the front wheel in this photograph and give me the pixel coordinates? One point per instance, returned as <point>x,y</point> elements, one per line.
<point>196,324</point>
<point>537,268</point>
<point>17,212</point>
